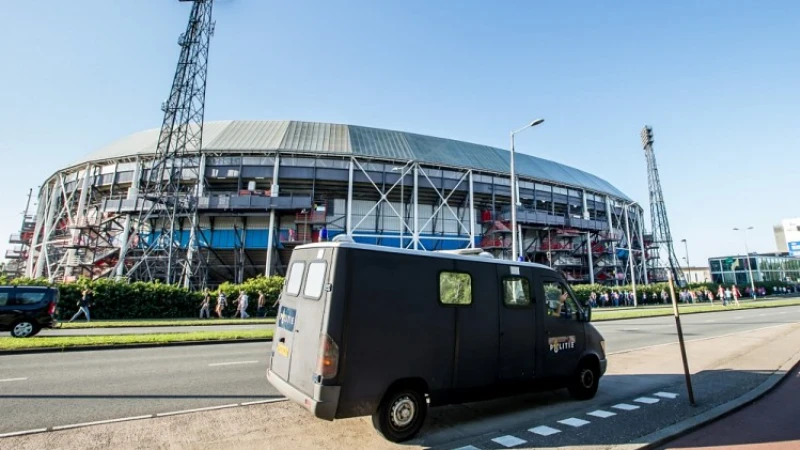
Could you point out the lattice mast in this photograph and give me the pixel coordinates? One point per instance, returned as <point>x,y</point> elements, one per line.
<point>658,211</point>
<point>169,190</point>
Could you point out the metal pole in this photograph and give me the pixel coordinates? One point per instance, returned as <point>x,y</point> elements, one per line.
<point>402,204</point>
<point>514,249</point>
<point>630,254</point>
<point>349,218</point>
<point>688,266</point>
<point>273,193</point>
<point>680,340</point>
<point>416,206</point>
<point>749,267</point>
<point>471,212</point>
<point>589,253</point>
<point>644,251</point>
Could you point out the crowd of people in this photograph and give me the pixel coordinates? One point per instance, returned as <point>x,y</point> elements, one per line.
<point>725,295</point>
<point>241,302</point>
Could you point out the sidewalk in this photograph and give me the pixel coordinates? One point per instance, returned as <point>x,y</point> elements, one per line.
<point>724,369</point>
<point>770,422</point>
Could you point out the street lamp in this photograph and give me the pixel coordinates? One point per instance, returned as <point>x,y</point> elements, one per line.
<point>688,266</point>
<point>514,201</point>
<point>747,258</point>
<point>402,199</point>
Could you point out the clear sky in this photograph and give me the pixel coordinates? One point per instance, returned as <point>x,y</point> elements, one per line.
<point>718,81</point>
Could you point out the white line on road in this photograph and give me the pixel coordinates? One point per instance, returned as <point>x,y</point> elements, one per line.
<point>602,414</point>
<point>709,321</point>
<point>625,407</point>
<point>208,408</point>
<point>232,363</point>
<point>13,379</point>
<point>100,422</point>
<point>573,422</point>
<point>646,400</point>
<point>738,318</point>
<point>670,395</point>
<point>21,433</point>
<point>544,430</point>
<point>259,402</point>
<point>509,441</point>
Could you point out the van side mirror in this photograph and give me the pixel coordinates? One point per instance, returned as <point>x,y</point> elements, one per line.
<point>586,315</point>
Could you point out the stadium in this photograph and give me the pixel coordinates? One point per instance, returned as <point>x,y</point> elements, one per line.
<point>302,182</point>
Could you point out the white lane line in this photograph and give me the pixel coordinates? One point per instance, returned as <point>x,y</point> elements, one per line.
<point>13,379</point>
<point>509,441</point>
<point>208,408</point>
<point>763,315</point>
<point>625,407</point>
<point>99,422</point>
<point>544,430</point>
<point>647,400</point>
<point>782,312</point>
<point>21,433</point>
<point>260,402</point>
<point>469,447</point>
<point>602,414</point>
<point>709,321</point>
<point>233,363</point>
<point>669,395</point>
<point>573,422</point>
<point>738,318</point>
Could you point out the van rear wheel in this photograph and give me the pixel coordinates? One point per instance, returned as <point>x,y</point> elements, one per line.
<point>584,383</point>
<point>401,413</point>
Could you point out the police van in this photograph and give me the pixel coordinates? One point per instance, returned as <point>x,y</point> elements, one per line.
<point>371,330</point>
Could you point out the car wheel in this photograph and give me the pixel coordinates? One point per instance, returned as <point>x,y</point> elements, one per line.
<point>584,383</point>
<point>24,328</point>
<point>401,414</point>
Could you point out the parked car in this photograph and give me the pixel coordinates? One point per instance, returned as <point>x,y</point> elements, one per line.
<point>25,310</point>
<point>367,330</point>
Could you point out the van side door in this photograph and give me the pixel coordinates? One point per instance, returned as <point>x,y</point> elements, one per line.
<point>564,331</point>
<point>517,330</point>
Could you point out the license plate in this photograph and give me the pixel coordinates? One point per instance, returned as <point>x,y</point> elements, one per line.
<point>283,350</point>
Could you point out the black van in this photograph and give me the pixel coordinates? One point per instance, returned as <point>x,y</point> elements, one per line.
<point>25,310</point>
<point>370,330</point>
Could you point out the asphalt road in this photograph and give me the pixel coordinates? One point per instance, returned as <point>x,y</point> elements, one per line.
<point>45,390</point>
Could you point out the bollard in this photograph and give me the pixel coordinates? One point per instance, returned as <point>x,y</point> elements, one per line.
<point>680,340</point>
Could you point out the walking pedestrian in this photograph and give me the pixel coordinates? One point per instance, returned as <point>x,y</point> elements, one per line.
<point>222,301</point>
<point>736,294</point>
<point>261,312</point>
<point>83,305</point>
<point>205,305</point>
<point>241,308</point>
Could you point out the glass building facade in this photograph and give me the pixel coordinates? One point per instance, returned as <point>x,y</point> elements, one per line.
<point>734,269</point>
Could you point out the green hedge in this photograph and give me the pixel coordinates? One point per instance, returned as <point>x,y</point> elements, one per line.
<point>140,300</point>
<point>582,291</point>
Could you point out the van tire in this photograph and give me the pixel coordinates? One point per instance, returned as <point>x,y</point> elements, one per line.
<point>585,381</point>
<point>405,404</point>
<point>24,328</point>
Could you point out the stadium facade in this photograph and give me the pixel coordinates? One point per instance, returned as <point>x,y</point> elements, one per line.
<point>301,182</point>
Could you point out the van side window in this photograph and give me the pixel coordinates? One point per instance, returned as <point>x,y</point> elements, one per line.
<point>4,295</point>
<point>559,301</point>
<point>455,288</point>
<point>315,279</point>
<point>516,291</point>
<point>29,297</point>
<point>295,278</point>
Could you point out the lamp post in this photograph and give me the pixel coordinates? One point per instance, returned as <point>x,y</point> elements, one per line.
<point>630,252</point>
<point>514,200</point>
<point>688,266</point>
<point>747,258</point>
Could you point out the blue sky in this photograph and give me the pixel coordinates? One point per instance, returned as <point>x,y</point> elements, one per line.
<point>718,81</point>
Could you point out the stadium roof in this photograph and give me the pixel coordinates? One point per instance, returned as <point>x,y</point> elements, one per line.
<point>244,136</point>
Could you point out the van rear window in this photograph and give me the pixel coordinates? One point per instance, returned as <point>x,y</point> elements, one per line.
<point>315,279</point>
<point>295,278</point>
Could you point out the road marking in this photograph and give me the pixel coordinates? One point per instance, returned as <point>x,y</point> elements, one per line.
<point>646,400</point>
<point>709,321</point>
<point>100,422</point>
<point>625,407</point>
<point>232,363</point>
<point>573,422</point>
<point>602,414</point>
<point>260,402</point>
<point>629,329</point>
<point>762,315</point>
<point>208,408</point>
<point>13,379</point>
<point>509,441</point>
<point>782,312</point>
<point>669,395</point>
<point>20,433</point>
<point>469,447</point>
<point>544,430</point>
<point>738,318</point>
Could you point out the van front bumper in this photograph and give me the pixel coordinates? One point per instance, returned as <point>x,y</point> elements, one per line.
<point>324,408</point>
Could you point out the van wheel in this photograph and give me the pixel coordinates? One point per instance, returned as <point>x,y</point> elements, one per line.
<point>24,328</point>
<point>401,414</point>
<point>584,383</point>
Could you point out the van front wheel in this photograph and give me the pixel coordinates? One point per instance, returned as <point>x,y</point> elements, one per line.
<point>584,383</point>
<point>401,414</point>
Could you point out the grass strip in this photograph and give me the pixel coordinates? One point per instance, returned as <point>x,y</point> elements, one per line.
<point>599,315</point>
<point>164,323</point>
<point>9,343</point>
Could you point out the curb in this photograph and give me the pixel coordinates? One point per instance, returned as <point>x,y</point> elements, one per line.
<point>683,313</point>
<point>24,351</point>
<point>659,438</point>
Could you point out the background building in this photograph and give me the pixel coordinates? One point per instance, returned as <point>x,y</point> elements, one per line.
<point>302,182</point>
<point>787,236</point>
<point>765,267</point>
<point>696,274</point>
